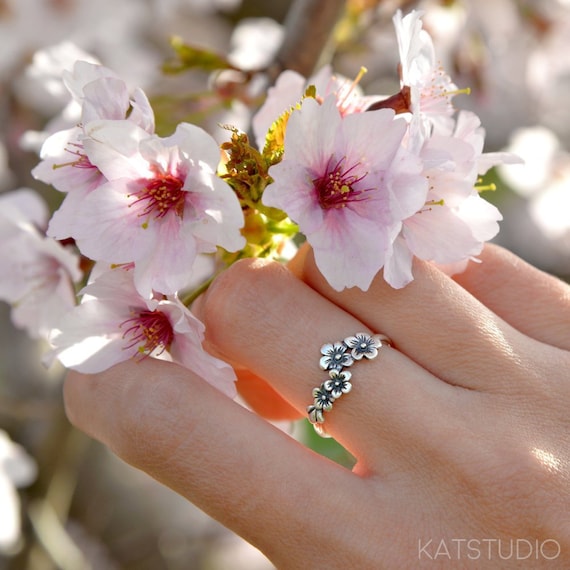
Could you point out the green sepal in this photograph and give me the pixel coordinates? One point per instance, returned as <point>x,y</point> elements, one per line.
<point>275,138</point>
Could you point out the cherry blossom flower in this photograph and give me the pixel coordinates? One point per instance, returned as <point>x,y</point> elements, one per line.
<point>348,183</point>
<point>64,161</point>
<point>290,87</point>
<point>114,323</point>
<point>455,221</point>
<point>431,88</point>
<point>17,469</point>
<point>36,273</point>
<point>162,203</point>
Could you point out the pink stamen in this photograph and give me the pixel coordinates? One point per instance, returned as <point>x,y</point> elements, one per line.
<point>150,330</point>
<point>81,160</point>
<point>161,195</point>
<point>336,188</point>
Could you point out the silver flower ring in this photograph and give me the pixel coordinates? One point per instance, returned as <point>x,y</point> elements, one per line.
<point>335,357</point>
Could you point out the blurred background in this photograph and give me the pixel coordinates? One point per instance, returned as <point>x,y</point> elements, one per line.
<point>65,501</point>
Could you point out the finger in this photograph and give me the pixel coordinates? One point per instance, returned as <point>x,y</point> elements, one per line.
<point>437,323</point>
<point>232,464</point>
<point>535,303</point>
<point>258,314</point>
<point>263,399</point>
<point>256,392</point>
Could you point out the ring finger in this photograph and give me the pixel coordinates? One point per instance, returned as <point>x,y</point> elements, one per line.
<point>259,315</point>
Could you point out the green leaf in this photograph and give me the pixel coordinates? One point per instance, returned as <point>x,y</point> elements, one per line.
<point>191,57</point>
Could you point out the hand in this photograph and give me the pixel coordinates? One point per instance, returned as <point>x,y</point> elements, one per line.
<point>460,432</point>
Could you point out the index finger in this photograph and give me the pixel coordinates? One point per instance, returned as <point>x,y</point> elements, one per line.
<point>232,464</point>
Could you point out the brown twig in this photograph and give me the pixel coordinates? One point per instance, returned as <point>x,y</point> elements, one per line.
<point>308,29</point>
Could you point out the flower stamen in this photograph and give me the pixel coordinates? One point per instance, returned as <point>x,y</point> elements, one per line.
<point>161,194</point>
<point>82,161</point>
<point>346,94</point>
<point>336,188</point>
<point>150,330</point>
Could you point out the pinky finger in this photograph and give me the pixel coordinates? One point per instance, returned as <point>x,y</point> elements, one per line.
<point>533,302</point>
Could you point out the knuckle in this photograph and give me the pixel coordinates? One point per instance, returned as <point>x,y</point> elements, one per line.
<point>240,298</point>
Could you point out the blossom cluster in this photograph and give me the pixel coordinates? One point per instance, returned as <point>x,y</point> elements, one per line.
<point>368,181</point>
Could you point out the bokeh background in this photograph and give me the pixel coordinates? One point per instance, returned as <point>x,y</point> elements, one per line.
<point>65,501</point>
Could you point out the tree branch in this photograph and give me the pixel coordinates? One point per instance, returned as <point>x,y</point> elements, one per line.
<point>308,29</point>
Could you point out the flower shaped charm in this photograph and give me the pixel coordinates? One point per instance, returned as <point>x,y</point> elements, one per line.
<point>362,344</point>
<point>338,384</point>
<point>323,399</point>
<point>335,356</point>
<point>315,415</point>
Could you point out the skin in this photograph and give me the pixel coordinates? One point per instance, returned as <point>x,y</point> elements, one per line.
<point>461,432</point>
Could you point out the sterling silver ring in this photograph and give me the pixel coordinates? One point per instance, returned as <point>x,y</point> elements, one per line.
<point>335,357</point>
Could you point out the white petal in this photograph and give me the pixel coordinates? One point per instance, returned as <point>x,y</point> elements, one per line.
<point>398,266</point>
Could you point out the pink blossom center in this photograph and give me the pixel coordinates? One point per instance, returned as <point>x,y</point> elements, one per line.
<point>336,187</point>
<point>162,194</point>
<point>149,331</point>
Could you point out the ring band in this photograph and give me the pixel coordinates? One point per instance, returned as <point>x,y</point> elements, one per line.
<point>335,358</point>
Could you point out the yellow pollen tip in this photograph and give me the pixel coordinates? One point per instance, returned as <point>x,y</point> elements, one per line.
<point>361,73</point>
<point>465,91</point>
<point>486,187</point>
<point>356,81</point>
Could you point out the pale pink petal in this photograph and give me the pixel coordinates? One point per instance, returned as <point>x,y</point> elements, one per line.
<point>489,159</point>
<point>438,234</point>
<point>105,98</point>
<point>113,146</point>
<point>194,144</point>
<point>23,206</point>
<point>63,222</point>
<point>286,93</point>
<point>311,133</point>
<point>407,188</point>
<point>64,164</point>
<point>163,267</point>
<point>142,113</point>
<point>293,192</point>
<point>481,216</point>
<point>83,73</point>
<point>108,229</point>
<point>89,338</point>
<point>349,250</point>
<point>187,350</point>
<point>375,135</point>
<point>398,266</point>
